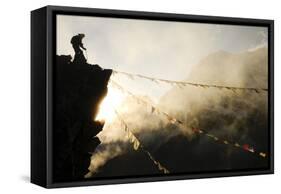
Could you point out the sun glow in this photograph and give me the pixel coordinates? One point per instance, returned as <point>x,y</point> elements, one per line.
<point>112,101</point>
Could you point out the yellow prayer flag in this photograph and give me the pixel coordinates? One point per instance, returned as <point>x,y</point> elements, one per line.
<point>128,135</point>
<point>166,171</point>
<point>262,154</point>
<point>160,167</point>
<point>209,135</point>
<point>136,144</point>
<point>132,139</point>
<point>237,145</point>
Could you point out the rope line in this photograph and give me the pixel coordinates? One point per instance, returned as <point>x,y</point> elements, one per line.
<point>183,84</point>
<point>175,121</point>
<point>136,144</point>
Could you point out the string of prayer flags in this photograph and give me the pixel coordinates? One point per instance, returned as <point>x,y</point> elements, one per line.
<point>159,166</point>
<point>181,84</point>
<point>136,145</point>
<point>175,121</point>
<point>245,147</point>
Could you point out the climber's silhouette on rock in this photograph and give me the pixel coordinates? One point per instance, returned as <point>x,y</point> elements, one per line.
<point>77,44</point>
<point>80,88</point>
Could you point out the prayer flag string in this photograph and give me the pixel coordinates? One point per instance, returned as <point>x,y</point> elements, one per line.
<point>137,145</point>
<point>175,121</point>
<point>181,84</point>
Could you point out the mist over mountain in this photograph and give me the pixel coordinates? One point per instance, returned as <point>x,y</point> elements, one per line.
<point>239,116</point>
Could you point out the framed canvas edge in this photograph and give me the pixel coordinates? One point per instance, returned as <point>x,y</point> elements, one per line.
<point>109,181</point>
<point>52,11</point>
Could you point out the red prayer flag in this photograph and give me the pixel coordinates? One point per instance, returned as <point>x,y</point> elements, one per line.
<point>246,147</point>
<point>195,129</point>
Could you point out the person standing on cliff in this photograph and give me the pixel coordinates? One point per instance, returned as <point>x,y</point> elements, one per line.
<point>77,44</point>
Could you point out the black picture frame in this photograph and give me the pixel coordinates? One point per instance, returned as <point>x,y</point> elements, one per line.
<point>43,47</point>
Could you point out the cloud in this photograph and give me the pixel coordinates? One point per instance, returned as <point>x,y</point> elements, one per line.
<point>239,117</point>
<point>103,153</point>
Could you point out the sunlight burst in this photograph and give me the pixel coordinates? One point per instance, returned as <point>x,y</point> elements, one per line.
<point>112,101</point>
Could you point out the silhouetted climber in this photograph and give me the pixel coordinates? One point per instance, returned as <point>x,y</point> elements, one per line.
<point>77,44</point>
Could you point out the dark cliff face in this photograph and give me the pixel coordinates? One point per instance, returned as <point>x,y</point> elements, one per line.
<point>79,88</point>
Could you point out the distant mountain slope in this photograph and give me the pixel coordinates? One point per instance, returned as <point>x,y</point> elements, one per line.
<point>247,69</point>
<point>238,117</point>
<point>242,69</point>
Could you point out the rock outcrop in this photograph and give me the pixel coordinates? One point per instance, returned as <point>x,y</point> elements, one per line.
<point>79,88</point>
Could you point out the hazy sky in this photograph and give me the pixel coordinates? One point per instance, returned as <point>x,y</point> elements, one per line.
<point>155,48</point>
<point>167,50</point>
